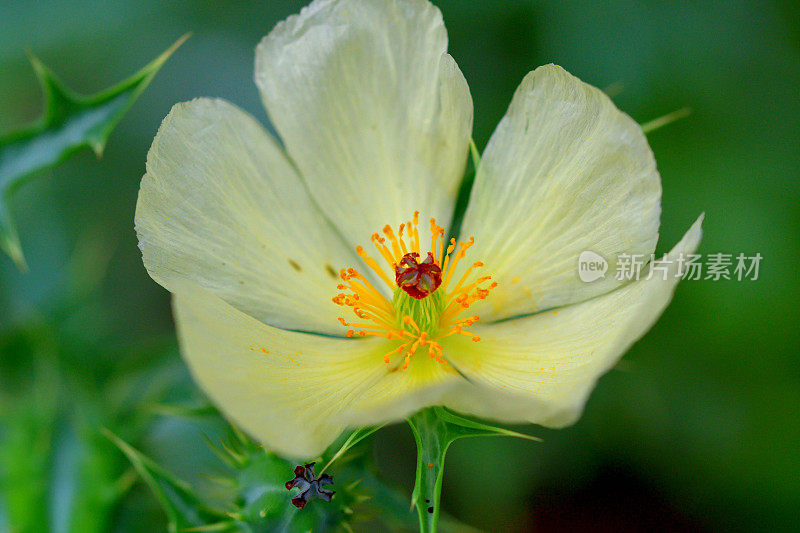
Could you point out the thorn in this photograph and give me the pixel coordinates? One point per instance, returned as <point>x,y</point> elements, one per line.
<point>665,120</point>
<point>475,154</point>
<point>354,484</point>
<point>9,239</point>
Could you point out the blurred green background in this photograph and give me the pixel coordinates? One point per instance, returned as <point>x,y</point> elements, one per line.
<point>697,429</point>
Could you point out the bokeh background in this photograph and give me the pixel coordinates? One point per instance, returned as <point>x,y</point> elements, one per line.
<point>697,429</point>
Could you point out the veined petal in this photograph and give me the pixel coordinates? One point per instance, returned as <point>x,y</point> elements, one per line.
<point>222,206</point>
<point>371,108</point>
<point>401,393</point>
<point>288,389</point>
<point>293,391</point>
<point>564,172</point>
<point>542,368</point>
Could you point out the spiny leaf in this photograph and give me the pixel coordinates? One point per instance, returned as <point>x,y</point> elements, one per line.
<point>69,122</point>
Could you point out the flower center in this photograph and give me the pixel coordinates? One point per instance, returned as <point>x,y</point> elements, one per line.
<point>423,309</point>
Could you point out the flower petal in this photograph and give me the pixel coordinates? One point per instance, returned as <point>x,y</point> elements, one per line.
<point>222,206</point>
<point>542,368</point>
<point>293,391</point>
<point>287,389</point>
<point>401,393</point>
<point>371,108</point>
<point>564,172</point>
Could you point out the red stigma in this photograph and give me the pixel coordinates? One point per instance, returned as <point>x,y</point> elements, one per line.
<point>418,279</point>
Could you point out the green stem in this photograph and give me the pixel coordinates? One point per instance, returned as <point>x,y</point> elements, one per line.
<point>428,431</point>
<point>434,429</point>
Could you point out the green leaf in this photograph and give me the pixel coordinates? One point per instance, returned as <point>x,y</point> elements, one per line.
<point>460,426</point>
<point>253,480</point>
<point>56,472</point>
<point>435,429</point>
<point>69,122</point>
<point>184,508</point>
<point>27,441</point>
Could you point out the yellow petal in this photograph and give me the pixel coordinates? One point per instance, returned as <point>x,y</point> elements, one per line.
<point>564,172</point>
<point>293,391</point>
<point>222,206</point>
<point>371,108</point>
<point>401,393</point>
<point>542,368</point>
<point>287,389</point>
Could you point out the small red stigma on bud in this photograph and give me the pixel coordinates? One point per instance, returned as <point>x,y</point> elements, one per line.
<point>418,279</point>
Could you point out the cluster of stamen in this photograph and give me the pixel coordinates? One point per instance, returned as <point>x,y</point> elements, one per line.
<point>424,309</point>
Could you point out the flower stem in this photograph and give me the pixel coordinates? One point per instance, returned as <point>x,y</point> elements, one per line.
<point>429,433</point>
<point>435,428</point>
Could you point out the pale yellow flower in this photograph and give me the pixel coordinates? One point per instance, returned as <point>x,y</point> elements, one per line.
<point>250,235</point>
